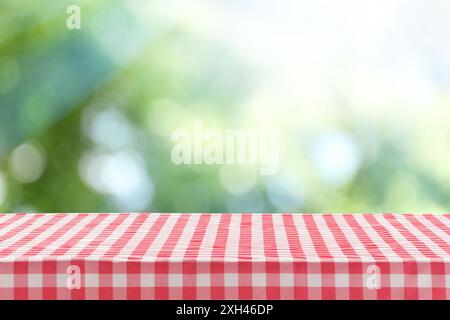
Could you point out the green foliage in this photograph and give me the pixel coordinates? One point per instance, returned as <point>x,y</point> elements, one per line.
<point>156,74</point>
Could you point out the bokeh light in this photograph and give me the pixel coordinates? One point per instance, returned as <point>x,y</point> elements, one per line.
<point>27,163</point>
<point>2,188</point>
<point>358,90</point>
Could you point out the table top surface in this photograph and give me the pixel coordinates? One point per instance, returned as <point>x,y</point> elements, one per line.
<point>225,237</point>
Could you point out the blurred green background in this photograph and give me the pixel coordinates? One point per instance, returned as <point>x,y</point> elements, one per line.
<point>359,90</point>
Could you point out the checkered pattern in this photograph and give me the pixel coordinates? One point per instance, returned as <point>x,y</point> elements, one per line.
<point>224,256</point>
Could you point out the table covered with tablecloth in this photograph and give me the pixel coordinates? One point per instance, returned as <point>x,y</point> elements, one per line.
<point>224,256</point>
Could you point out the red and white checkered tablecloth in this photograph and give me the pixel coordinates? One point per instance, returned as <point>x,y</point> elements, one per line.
<point>224,256</point>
